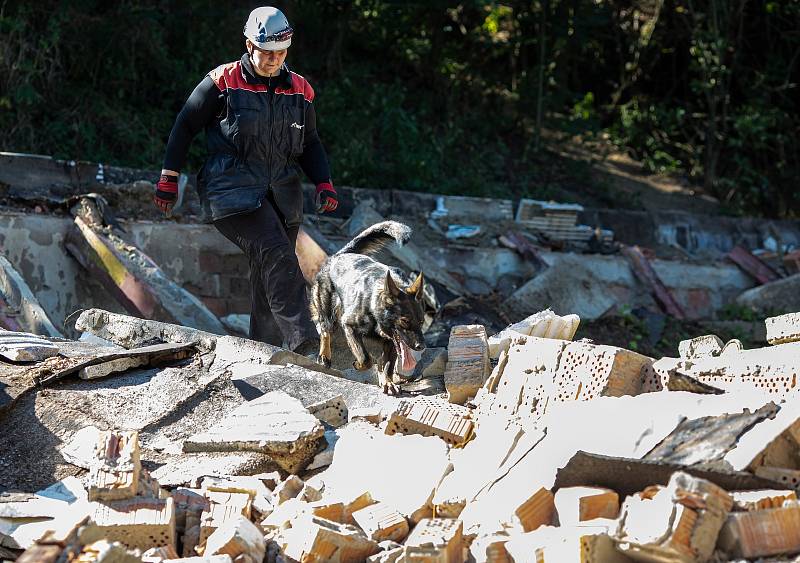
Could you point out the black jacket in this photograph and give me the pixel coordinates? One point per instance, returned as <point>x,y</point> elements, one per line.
<point>257,138</point>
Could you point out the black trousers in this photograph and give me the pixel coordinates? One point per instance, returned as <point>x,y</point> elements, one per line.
<point>279,303</point>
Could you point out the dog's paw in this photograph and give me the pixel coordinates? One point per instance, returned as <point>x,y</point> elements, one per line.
<point>323,361</point>
<point>363,367</point>
<point>391,389</point>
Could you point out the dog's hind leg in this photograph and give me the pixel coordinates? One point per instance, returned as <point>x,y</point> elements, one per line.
<point>386,368</point>
<point>356,343</point>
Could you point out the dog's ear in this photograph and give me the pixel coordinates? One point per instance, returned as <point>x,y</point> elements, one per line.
<point>391,287</point>
<point>415,289</point>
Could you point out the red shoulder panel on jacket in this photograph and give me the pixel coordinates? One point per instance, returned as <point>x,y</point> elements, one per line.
<point>299,86</point>
<point>231,75</point>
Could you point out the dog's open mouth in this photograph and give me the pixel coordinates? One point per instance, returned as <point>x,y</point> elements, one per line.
<point>407,359</point>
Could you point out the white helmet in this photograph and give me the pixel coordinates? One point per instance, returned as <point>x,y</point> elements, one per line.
<point>268,29</point>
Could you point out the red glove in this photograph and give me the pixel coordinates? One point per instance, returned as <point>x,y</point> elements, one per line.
<point>326,198</point>
<point>166,193</point>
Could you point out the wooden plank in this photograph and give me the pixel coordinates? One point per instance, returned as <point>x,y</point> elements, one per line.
<point>752,265</point>
<point>644,271</point>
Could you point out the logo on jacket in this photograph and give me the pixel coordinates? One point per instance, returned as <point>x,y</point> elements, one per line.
<point>296,126</point>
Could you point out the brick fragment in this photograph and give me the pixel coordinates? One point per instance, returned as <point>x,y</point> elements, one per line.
<point>790,478</point>
<point>332,411</point>
<point>111,552</point>
<point>679,522</point>
<point>700,347</point>
<point>382,522</point>
<point>237,537</point>
<point>579,504</point>
<point>430,417</point>
<point>137,523</point>
<point>761,533</point>
<point>782,329</point>
<point>315,539</point>
<point>761,500</point>
<point>537,510</point>
<point>467,362</point>
<point>567,544</point>
<point>435,540</point>
<point>223,507</point>
<point>115,469</point>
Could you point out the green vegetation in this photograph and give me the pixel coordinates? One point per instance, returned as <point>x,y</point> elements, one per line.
<point>454,97</point>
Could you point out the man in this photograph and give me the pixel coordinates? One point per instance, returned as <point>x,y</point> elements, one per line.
<point>261,129</point>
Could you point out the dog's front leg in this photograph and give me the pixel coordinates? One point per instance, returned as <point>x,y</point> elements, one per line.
<point>354,340</point>
<point>386,368</point>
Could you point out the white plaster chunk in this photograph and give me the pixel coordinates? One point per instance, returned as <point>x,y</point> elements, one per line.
<point>782,329</point>
<point>700,347</point>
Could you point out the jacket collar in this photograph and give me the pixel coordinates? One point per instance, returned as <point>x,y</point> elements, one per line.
<point>284,76</point>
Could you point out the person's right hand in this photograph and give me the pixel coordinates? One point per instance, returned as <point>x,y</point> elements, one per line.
<point>166,192</point>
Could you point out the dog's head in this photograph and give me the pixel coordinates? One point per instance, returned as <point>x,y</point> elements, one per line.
<point>402,317</point>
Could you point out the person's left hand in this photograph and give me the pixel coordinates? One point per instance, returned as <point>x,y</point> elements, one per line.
<point>326,200</point>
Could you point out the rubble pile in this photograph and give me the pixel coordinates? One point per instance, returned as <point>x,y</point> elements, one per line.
<point>535,447</point>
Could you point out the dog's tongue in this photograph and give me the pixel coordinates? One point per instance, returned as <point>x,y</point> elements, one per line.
<point>407,359</point>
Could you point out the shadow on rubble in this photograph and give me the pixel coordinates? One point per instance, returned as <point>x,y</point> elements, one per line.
<point>29,457</point>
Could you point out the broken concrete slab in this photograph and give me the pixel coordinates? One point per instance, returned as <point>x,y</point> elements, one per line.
<point>307,385</point>
<point>186,469</point>
<point>137,282</point>
<point>25,347</point>
<point>19,308</point>
<point>467,362</point>
<point>431,417</point>
<point>762,533</point>
<point>783,329</point>
<point>274,424</point>
<point>107,363</point>
<point>781,296</point>
<point>679,522</point>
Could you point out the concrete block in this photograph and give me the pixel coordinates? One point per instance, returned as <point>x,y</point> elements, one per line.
<point>537,510</point>
<point>275,424</point>
<point>315,539</point>
<point>701,347</point>
<point>136,523</point>
<point>284,514</point>
<point>222,508</point>
<point>782,329</point>
<point>25,347</point>
<point>761,500</point>
<point>579,504</point>
<point>679,522</point>
<point>237,537</point>
<point>436,540</point>
<point>115,470</point>
<point>332,411</point>
<point>431,417</point>
<point>467,362</point>
<point>762,533</point>
<point>381,522</point>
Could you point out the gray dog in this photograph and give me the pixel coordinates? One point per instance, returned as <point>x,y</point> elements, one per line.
<point>361,295</point>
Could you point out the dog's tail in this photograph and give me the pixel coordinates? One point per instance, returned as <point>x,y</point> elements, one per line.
<point>376,237</point>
